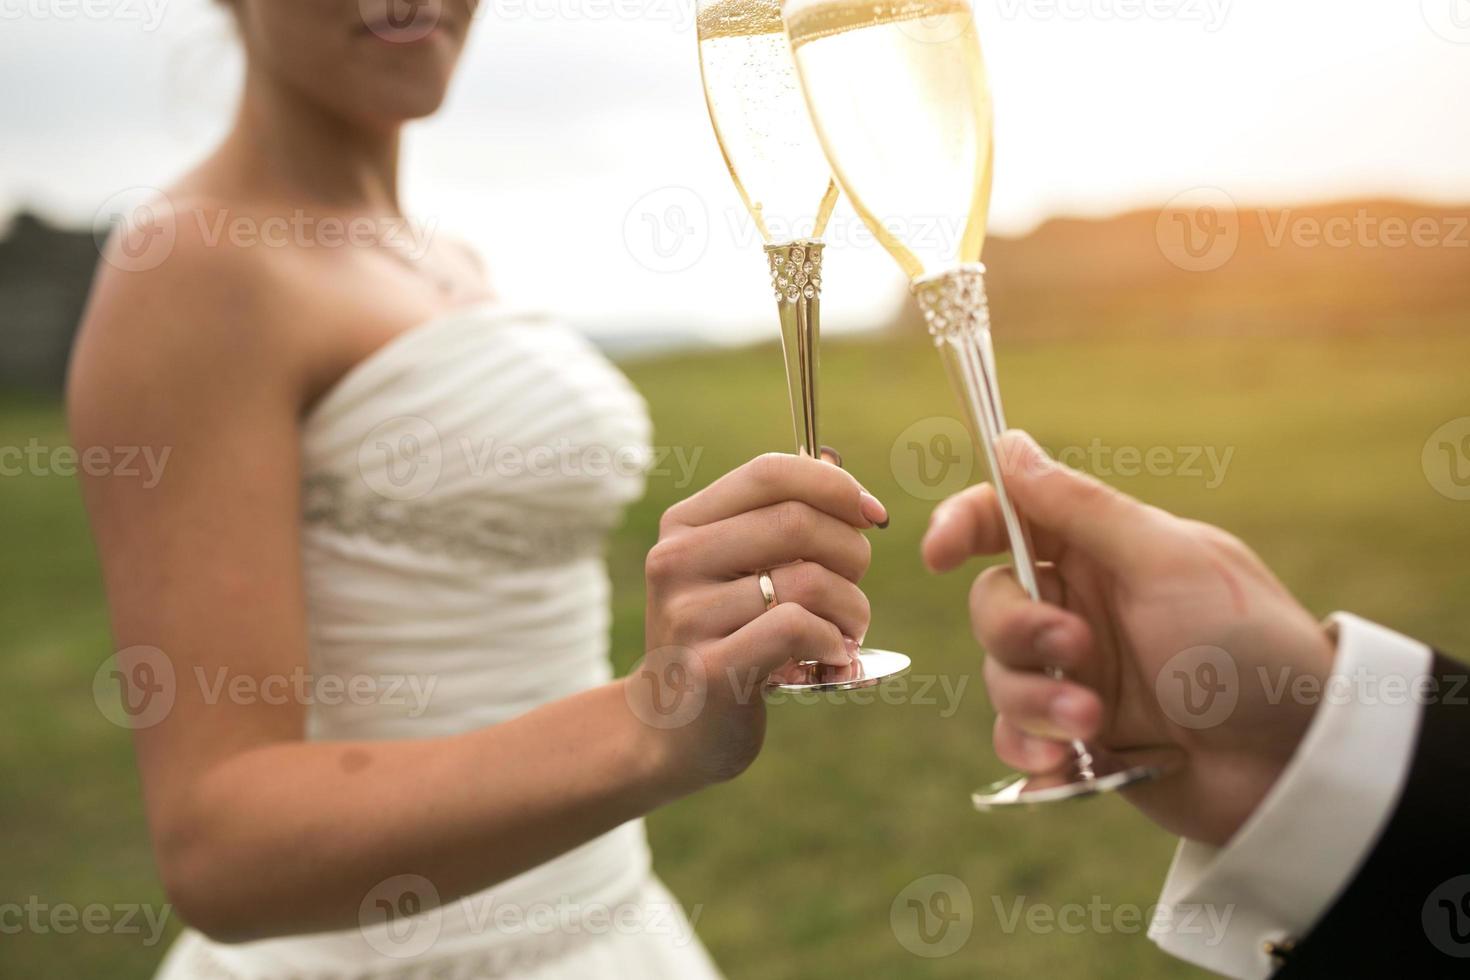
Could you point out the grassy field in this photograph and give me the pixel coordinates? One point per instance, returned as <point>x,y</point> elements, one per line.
<point>794,867</point>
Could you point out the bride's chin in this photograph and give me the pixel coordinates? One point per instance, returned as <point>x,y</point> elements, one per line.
<point>389,99</point>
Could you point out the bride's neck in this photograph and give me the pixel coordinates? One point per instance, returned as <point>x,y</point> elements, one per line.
<point>295,148</point>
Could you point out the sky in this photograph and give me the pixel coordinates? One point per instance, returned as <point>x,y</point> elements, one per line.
<point>576,151</point>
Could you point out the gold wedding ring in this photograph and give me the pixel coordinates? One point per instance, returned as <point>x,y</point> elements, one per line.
<point>768,590</point>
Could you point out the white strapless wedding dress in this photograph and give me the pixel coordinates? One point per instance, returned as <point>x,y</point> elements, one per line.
<point>459,485</point>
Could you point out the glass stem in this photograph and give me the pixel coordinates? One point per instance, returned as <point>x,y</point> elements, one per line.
<point>796,275</point>
<point>958,315</point>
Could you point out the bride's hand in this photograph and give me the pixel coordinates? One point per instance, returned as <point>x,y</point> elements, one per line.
<point>711,641</point>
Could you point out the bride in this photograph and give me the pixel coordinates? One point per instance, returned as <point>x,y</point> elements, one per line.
<point>326,537</point>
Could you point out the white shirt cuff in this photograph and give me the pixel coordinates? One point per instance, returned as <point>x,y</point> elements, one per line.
<point>1285,867</point>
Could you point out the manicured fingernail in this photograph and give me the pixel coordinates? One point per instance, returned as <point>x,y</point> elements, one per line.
<point>853,646</point>
<point>872,509</point>
<point>1069,712</point>
<point>835,457</point>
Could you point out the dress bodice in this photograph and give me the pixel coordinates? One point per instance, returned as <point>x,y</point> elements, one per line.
<point>458,486</point>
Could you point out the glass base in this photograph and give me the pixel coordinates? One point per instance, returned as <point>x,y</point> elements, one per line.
<point>1106,773</point>
<point>872,668</point>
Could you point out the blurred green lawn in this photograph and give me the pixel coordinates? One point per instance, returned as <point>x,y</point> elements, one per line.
<point>793,867</point>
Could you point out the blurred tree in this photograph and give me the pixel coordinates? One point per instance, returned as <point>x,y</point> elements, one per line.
<point>44,276</point>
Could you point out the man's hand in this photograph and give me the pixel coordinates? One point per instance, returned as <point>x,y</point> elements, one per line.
<point>1170,632</point>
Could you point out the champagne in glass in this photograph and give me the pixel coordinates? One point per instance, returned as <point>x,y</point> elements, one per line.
<point>761,122</point>
<point>899,89</point>
<point>760,119</point>
<point>898,93</point>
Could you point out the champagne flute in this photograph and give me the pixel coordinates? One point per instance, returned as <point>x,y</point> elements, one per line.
<point>763,129</point>
<point>898,94</point>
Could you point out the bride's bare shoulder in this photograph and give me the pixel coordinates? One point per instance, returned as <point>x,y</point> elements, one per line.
<point>181,304</point>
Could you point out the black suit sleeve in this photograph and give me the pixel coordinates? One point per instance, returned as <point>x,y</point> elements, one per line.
<point>1406,913</point>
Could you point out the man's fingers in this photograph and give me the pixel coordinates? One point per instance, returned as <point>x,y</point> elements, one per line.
<point>966,524</point>
<point>776,477</point>
<point>1066,509</point>
<point>969,524</point>
<point>1041,705</point>
<point>1110,527</point>
<point>1027,752</point>
<point>1024,634</point>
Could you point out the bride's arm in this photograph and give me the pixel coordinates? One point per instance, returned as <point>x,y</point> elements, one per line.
<point>258,832</point>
